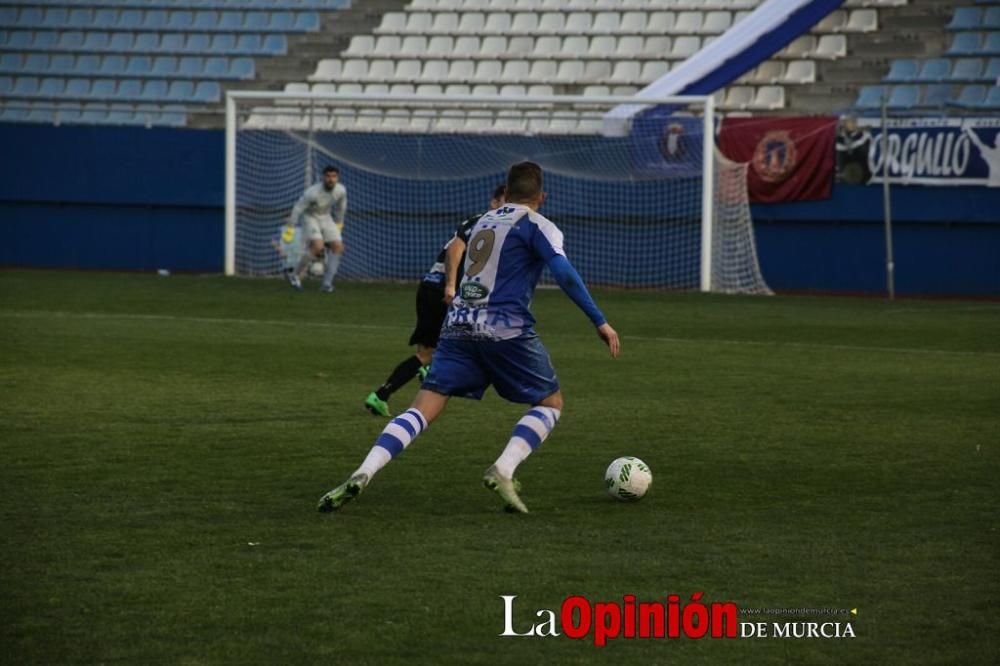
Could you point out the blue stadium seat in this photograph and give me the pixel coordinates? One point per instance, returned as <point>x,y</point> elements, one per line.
<point>207,91</point>
<point>275,45</point>
<point>965,18</point>
<point>256,21</point>
<point>971,97</point>
<point>993,98</point>
<point>93,113</point>
<point>172,116</point>
<point>36,63</point>
<point>129,89</point>
<point>181,91</point>
<point>87,65</point>
<point>216,67</point>
<point>191,67</point>
<point>249,44</point>
<point>42,113</point>
<point>19,39</point>
<point>870,97</point>
<point>113,65</point>
<point>225,43</point>
<point>936,95</point>
<point>11,62</point>
<point>81,18</point>
<point>78,88</point>
<point>96,41</point>
<point>121,42</point>
<point>105,19</point>
<point>992,44</point>
<point>45,40</point>
<point>231,21</point>
<point>147,114</point>
<point>934,70</point>
<point>52,87</point>
<point>70,41</point>
<point>55,18</point>
<point>991,20</point>
<point>154,90</point>
<point>104,89</point>
<point>64,63</point>
<point>965,43</point>
<point>180,20</point>
<point>281,22</point>
<point>120,114</point>
<point>130,19</point>
<point>14,113</point>
<point>206,20</point>
<point>172,42</point>
<point>306,22</point>
<point>154,19</point>
<point>146,42</point>
<point>6,85</point>
<point>8,16</point>
<point>992,72</point>
<point>139,66</point>
<point>164,67</point>
<point>25,86</point>
<point>241,68</point>
<point>904,97</point>
<point>198,43</point>
<point>904,70</point>
<point>967,69</point>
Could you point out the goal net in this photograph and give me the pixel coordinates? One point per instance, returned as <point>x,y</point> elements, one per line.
<point>640,210</point>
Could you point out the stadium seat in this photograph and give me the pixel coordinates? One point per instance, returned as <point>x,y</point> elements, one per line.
<point>435,71</point>
<point>494,47</point>
<point>903,70</point>
<point>967,69</point>
<point>112,65</point>
<point>12,62</point>
<point>870,97</point>
<point>154,90</point>
<point>207,91</point>
<point>70,41</point>
<point>395,23</point>
<point>413,46</point>
<point>354,69</point>
<point>205,21</point>
<point>466,46</point>
<point>81,88</point>
<point>306,22</point>
<point>497,23</point>
<point>965,43</point>
<point>543,71</point>
<point>632,23</point>
<point>164,67</point>
<point>360,46</point>
<point>439,46</point>
<point>653,70</point>
<point>445,23</point>
<point>862,20</point>
<point>768,98</point>
<point>51,86</point>
<point>36,63</point>
<point>180,20</point>
<point>515,71</point>
<point>835,21</point>
<point>934,70</point>
<point>738,97</point>
<point>965,18</point>
<point>799,72</point>
<point>25,86</point>
<point>380,70</point>
<point>831,47</point>
<point>96,41</point>
<point>191,67</point>
<point>154,19</point>
<point>803,46</point>
<point>936,95</point>
<point>130,89</point>
<point>274,45</point>
<point>904,97</point>
<point>547,47</point>
<point>241,68</point>
<point>487,71</point>
<point>992,98</point>
<point>685,47</point>
<point>130,19</point>
<point>577,23</point>
<point>716,22</point>
<point>574,47</point>
<point>551,23</point>
<point>657,46</point>
<point>991,20</point>
<point>628,47</point>
<point>626,71</point>
<point>216,67</point>
<point>407,71</point>
<point>991,46</point>
<point>659,23</point>
<point>138,66</point>
<point>146,42</point>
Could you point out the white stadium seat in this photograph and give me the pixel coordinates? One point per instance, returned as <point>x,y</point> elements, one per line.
<point>799,71</point>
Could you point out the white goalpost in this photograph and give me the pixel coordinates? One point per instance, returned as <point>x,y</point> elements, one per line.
<point>655,208</point>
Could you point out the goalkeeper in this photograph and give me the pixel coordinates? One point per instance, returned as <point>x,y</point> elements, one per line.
<point>434,295</point>
<point>320,227</point>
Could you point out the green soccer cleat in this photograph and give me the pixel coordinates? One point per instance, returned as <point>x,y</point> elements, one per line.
<point>506,488</point>
<point>343,493</point>
<point>376,405</point>
<point>424,371</point>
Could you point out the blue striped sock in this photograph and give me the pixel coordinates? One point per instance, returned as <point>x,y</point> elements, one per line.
<point>528,435</point>
<point>396,436</point>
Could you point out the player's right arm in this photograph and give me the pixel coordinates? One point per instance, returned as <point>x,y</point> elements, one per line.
<point>571,283</point>
<point>452,258</point>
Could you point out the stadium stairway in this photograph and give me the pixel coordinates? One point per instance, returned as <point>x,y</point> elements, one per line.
<point>909,31</point>
<point>304,51</point>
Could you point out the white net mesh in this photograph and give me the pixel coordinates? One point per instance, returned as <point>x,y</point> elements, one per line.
<point>630,207</point>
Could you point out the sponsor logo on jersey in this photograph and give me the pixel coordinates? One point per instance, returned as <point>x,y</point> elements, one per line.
<point>473,291</point>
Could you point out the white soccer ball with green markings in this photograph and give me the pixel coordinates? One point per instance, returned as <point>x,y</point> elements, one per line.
<point>628,479</point>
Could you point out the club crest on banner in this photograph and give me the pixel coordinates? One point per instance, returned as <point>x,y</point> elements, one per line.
<point>775,157</point>
<point>671,146</point>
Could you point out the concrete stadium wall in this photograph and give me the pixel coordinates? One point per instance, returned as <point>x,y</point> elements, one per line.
<point>143,199</point>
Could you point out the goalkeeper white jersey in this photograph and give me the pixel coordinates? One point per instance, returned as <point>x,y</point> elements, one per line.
<point>319,204</point>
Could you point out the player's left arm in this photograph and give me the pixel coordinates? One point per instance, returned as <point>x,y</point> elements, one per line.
<point>452,259</point>
<point>571,283</point>
<point>341,208</point>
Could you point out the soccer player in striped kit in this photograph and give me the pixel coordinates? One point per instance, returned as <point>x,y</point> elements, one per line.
<point>488,338</point>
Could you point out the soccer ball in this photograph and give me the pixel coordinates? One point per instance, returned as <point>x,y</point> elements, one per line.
<point>316,269</point>
<point>628,479</point>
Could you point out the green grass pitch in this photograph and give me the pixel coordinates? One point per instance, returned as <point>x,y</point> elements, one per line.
<point>164,442</point>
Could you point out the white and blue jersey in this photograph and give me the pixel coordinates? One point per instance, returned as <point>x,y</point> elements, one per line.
<point>505,255</point>
<point>436,274</point>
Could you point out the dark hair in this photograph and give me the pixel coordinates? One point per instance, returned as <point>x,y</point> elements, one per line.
<point>328,169</point>
<point>500,191</point>
<point>524,182</point>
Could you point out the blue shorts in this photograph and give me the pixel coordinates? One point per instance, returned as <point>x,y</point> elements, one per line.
<point>519,369</point>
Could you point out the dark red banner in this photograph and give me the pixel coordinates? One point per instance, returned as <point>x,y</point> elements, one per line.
<point>791,159</point>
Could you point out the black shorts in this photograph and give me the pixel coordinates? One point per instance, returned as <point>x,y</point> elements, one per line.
<point>430,315</point>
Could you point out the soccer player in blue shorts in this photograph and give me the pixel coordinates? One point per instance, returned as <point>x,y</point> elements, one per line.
<point>489,338</point>
<point>434,295</point>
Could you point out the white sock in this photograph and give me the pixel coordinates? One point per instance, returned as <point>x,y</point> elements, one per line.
<point>395,437</point>
<point>330,269</point>
<point>528,435</point>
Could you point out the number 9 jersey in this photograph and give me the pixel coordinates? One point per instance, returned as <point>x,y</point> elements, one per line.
<point>505,255</point>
